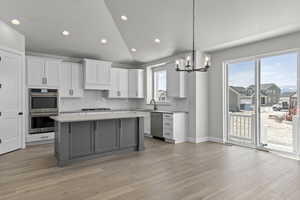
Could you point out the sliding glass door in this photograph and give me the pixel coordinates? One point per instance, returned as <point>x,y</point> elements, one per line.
<point>242,102</point>
<point>261,102</point>
<point>278,107</point>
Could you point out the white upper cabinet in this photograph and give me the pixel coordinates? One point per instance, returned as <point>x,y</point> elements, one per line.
<point>71,85</point>
<point>43,72</point>
<point>52,73</point>
<point>97,75</point>
<point>136,83</point>
<point>119,87</point>
<point>176,82</point>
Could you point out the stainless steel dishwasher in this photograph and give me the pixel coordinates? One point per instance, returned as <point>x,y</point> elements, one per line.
<point>157,124</point>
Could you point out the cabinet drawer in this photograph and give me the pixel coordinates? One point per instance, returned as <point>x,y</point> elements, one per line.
<point>167,116</point>
<point>167,133</point>
<point>168,125</point>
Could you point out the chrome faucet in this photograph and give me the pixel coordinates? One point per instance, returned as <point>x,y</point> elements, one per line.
<point>154,104</point>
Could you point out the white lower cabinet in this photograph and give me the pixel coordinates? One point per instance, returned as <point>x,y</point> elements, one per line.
<point>71,85</point>
<point>32,138</point>
<point>147,124</point>
<point>175,127</point>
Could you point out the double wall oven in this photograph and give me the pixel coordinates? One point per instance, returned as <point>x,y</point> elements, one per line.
<point>43,103</point>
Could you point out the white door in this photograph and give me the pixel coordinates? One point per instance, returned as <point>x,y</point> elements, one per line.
<point>77,80</point>
<point>10,102</point>
<point>52,73</point>
<point>35,71</point>
<point>66,80</point>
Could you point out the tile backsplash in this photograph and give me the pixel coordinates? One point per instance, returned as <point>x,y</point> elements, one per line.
<point>96,99</point>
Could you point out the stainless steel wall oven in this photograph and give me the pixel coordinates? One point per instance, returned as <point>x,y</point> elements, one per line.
<point>43,103</point>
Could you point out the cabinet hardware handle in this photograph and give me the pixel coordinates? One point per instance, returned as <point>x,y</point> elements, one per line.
<point>0,85</point>
<point>20,113</point>
<point>0,141</point>
<point>44,137</point>
<point>46,80</point>
<point>0,114</point>
<point>0,58</point>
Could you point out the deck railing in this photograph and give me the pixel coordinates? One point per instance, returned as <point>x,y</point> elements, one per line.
<point>241,127</point>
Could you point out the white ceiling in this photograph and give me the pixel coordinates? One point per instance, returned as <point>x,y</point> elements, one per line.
<point>220,24</point>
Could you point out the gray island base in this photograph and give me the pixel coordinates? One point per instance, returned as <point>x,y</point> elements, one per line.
<point>87,137</point>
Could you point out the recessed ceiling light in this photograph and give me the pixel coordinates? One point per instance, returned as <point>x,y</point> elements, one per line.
<point>15,22</point>
<point>124,17</point>
<point>157,40</point>
<point>66,33</point>
<point>133,50</point>
<point>104,41</point>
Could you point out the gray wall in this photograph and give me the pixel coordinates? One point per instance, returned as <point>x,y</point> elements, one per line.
<point>10,38</point>
<point>215,85</point>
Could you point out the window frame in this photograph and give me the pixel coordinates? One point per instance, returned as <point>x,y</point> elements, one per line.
<point>153,84</point>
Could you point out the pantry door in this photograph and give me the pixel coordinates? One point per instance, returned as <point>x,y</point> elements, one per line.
<point>11,98</point>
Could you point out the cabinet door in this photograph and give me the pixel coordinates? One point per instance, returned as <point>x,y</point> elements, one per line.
<point>136,83</point>
<point>132,83</point>
<point>81,138</point>
<point>91,72</point>
<point>65,80</point>
<point>114,91</point>
<point>103,73</point>
<point>123,85</point>
<point>35,72</point>
<point>147,124</point>
<point>106,135</point>
<point>52,73</point>
<point>128,133</point>
<point>77,80</point>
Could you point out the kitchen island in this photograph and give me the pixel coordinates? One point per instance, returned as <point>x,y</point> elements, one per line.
<point>85,135</point>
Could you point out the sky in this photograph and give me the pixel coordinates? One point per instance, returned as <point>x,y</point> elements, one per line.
<point>281,70</point>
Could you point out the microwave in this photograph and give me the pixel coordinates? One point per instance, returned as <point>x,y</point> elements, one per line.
<point>43,101</point>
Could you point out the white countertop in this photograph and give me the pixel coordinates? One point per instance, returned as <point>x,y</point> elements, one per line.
<point>94,116</point>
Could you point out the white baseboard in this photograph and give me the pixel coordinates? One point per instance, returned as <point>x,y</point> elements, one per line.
<point>197,140</point>
<point>216,140</point>
<point>204,139</point>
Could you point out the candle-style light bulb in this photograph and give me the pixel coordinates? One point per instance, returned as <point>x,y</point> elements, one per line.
<point>177,64</point>
<point>188,59</point>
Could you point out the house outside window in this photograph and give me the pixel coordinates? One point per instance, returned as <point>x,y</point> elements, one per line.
<point>160,85</point>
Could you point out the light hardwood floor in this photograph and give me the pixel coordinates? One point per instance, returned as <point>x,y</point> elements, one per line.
<point>162,172</point>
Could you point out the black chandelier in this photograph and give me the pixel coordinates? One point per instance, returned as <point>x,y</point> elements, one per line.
<point>190,65</point>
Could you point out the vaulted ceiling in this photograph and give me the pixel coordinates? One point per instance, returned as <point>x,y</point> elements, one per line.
<point>220,24</point>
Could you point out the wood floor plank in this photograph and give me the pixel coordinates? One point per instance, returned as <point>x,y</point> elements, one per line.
<point>185,171</point>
